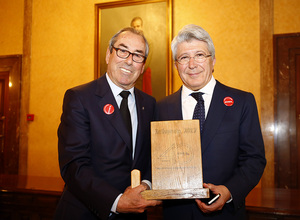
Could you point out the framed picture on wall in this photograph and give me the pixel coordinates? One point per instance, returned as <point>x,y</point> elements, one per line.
<point>154,18</point>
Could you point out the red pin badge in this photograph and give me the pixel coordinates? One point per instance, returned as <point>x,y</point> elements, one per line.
<point>108,109</point>
<point>228,101</point>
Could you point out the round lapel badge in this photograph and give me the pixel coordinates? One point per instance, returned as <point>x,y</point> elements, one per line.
<point>108,109</point>
<point>228,101</point>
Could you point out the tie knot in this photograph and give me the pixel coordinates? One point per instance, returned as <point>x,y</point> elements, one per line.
<point>197,96</point>
<point>124,94</point>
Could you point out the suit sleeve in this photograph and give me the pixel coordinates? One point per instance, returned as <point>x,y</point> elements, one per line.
<point>251,161</point>
<point>75,159</point>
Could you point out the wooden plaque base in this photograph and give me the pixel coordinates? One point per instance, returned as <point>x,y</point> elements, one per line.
<point>176,161</point>
<point>161,194</point>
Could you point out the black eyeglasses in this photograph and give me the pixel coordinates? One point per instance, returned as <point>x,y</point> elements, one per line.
<point>199,58</point>
<point>124,54</point>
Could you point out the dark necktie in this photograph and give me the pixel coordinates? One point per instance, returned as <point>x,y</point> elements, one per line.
<point>125,112</point>
<point>199,112</point>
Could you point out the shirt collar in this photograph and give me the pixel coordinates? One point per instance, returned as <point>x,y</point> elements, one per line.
<point>116,89</point>
<point>207,90</point>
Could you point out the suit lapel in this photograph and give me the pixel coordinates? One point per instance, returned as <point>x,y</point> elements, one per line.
<point>174,110</point>
<point>215,116</point>
<point>103,90</point>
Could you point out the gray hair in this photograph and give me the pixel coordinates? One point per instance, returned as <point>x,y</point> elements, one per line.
<point>189,32</point>
<point>132,30</point>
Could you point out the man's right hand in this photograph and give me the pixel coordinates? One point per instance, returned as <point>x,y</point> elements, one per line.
<point>132,201</point>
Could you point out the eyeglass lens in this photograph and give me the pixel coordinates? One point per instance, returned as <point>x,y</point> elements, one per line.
<point>199,58</point>
<point>125,54</point>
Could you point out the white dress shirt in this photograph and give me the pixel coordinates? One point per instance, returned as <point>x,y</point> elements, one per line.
<point>189,103</point>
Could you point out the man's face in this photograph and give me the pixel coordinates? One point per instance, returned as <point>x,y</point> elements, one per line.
<point>125,72</point>
<point>194,75</point>
<point>137,24</point>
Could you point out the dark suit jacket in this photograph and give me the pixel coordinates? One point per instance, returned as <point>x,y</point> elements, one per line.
<point>232,150</point>
<point>94,155</point>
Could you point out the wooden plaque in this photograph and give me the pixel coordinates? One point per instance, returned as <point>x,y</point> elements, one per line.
<point>176,161</point>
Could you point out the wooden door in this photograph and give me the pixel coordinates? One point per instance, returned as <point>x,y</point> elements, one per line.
<point>4,83</point>
<point>10,72</point>
<point>287,112</point>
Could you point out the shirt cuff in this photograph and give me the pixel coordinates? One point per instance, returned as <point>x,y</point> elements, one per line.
<point>230,199</point>
<point>115,204</point>
<point>148,183</point>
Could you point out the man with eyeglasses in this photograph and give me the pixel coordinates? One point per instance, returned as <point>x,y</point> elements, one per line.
<point>233,157</point>
<point>104,134</point>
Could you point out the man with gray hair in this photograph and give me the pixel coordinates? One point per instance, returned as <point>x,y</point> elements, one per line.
<point>233,156</point>
<point>99,144</point>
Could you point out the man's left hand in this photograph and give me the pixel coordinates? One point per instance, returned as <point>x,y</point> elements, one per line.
<point>217,205</point>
